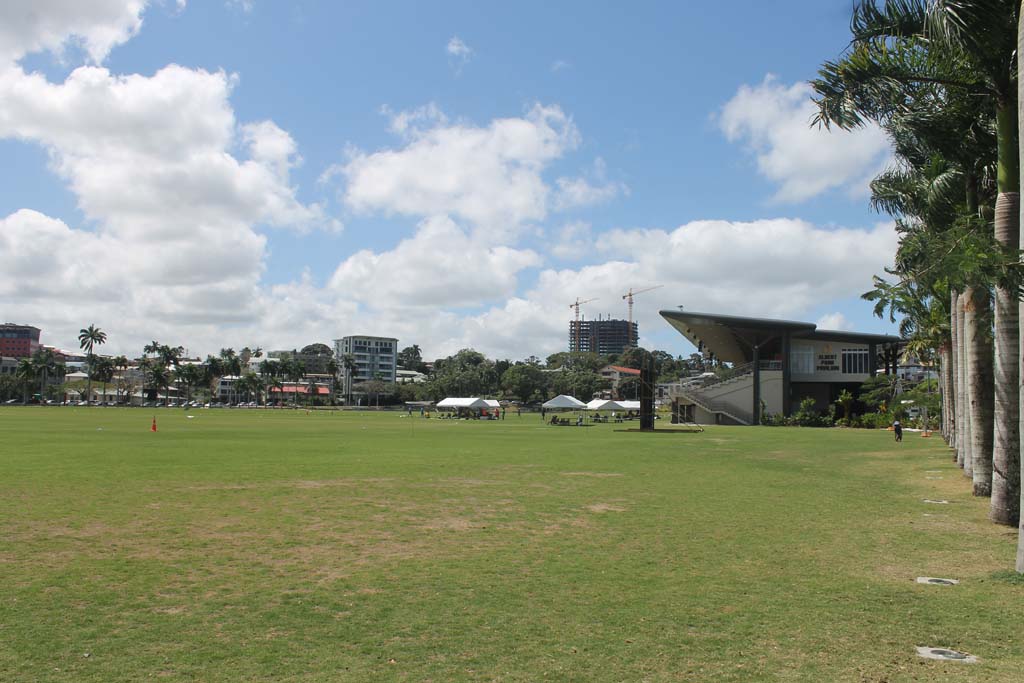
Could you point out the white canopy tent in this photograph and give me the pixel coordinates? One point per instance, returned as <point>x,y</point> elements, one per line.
<point>492,404</point>
<point>564,402</point>
<point>462,403</point>
<point>603,404</point>
<point>629,405</point>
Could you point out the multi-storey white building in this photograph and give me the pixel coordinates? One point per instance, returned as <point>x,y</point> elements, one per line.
<point>375,358</point>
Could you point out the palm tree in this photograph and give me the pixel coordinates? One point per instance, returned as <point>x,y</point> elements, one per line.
<point>189,375</point>
<point>295,371</point>
<point>983,33</point>
<point>26,374</point>
<point>312,390</point>
<point>970,48</point>
<point>980,389</point>
<point>274,383</point>
<point>1020,136</point>
<point>269,371</point>
<point>121,363</point>
<point>348,362</point>
<point>213,370</point>
<point>158,378</point>
<point>103,370</point>
<point>922,192</point>
<point>964,441</point>
<point>170,356</point>
<point>332,369</point>
<point>88,338</point>
<point>231,364</point>
<point>44,364</point>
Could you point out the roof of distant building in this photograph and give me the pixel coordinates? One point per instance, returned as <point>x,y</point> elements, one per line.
<point>623,370</point>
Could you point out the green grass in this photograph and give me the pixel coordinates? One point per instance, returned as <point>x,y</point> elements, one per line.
<point>280,545</point>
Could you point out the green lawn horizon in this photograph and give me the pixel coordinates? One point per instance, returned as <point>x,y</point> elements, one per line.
<point>359,546</point>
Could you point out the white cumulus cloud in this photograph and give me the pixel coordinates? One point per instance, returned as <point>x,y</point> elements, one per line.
<point>173,187</point>
<point>834,321</point>
<point>97,26</point>
<point>489,176</point>
<point>582,191</point>
<point>780,268</point>
<point>457,48</point>
<point>458,53</point>
<point>773,122</point>
<point>176,192</point>
<point>440,266</point>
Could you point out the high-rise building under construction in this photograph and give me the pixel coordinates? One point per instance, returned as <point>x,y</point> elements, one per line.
<point>602,336</point>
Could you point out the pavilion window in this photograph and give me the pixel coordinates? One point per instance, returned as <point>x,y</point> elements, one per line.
<point>855,361</point>
<point>802,359</point>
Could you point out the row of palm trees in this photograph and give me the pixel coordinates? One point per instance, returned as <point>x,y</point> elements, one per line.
<point>940,77</point>
<point>162,365</point>
<point>37,371</point>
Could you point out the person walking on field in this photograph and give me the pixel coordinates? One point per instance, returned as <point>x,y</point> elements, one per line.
<point>897,430</point>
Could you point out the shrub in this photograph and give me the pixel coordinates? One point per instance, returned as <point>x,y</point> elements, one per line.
<point>808,416</point>
<point>876,420</point>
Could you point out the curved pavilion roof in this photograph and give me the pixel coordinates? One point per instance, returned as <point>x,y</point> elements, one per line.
<point>730,337</point>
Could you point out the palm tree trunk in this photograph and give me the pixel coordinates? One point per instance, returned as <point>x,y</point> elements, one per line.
<point>1005,487</point>
<point>963,439</point>
<point>976,322</point>
<point>88,380</point>
<point>954,378</point>
<point>1020,160</point>
<point>946,384</point>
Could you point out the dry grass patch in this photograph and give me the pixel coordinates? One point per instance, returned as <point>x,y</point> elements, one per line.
<point>596,475</point>
<point>604,507</point>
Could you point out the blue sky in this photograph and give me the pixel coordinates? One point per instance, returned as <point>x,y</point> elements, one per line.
<point>228,173</point>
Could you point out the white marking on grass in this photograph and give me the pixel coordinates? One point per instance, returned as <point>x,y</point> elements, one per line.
<point>936,502</point>
<point>935,581</point>
<point>946,655</point>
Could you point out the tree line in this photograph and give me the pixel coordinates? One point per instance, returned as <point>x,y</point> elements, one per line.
<point>162,367</point>
<point>940,77</point>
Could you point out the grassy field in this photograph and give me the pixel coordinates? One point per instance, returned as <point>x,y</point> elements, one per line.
<point>285,546</point>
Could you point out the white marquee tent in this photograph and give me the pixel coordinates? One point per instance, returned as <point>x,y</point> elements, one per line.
<point>563,401</point>
<point>462,403</point>
<point>603,404</point>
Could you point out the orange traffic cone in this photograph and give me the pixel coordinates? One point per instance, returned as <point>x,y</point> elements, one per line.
<point>153,428</point>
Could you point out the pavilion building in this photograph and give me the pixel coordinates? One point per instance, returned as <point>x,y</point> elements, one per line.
<point>776,364</point>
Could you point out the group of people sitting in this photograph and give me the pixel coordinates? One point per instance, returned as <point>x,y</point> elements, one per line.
<point>471,414</point>
<point>555,420</point>
<point>597,417</point>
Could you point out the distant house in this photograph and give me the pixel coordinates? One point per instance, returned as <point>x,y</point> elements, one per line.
<point>615,374</point>
<point>409,377</point>
<point>913,370</point>
<point>291,389</point>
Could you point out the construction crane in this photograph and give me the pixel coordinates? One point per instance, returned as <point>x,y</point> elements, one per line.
<point>577,305</point>
<point>628,296</point>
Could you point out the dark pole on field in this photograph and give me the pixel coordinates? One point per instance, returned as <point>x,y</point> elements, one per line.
<point>647,380</point>
<point>756,409</point>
